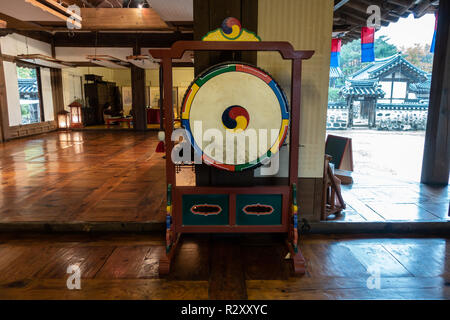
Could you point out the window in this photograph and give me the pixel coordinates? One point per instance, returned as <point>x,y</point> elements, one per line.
<point>29,94</point>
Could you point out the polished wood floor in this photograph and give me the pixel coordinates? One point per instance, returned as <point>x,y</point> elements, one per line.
<point>223,267</point>
<point>116,176</point>
<point>372,199</point>
<point>82,176</point>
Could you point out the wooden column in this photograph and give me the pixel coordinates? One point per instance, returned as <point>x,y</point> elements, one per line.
<point>350,112</point>
<point>57,91</point>
<point>436,157</point>
<point>372,113</point>
<point>161,96</point>
<point>4,118</point>
<point>138,96</point>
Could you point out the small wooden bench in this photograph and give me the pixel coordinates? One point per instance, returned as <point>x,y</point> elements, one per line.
<point>127,120</point>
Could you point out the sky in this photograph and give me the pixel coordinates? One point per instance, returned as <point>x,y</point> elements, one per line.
<point>408,31</point>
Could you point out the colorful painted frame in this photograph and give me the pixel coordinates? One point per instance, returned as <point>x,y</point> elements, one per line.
<point>289,219</point>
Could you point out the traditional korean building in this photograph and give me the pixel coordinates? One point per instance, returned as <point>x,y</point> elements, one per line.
<point>335,74</point>
<point>391,83</point>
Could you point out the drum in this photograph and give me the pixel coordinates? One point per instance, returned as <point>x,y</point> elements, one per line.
<point>235,115</point>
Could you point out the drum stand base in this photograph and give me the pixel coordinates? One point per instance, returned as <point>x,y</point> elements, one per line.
<point>298,261</point>
<point>165,260</point>
<point>296,257</point>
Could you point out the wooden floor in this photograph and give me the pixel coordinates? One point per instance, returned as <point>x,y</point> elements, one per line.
<point>372,199</point>
<point>246,267</point>
<point>82,176</point>
<point>116,176</point>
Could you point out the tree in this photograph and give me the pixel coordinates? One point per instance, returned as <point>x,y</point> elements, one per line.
<point>26,73</point>
<point>333,94</point>
<point>351,54</point>
<point>420,56</point>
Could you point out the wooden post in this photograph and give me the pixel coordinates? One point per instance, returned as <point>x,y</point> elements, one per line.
<point>4,118</point>
<point>168,118</point>
<point>350,112</point>
<point>57,90</point>
<point>436,155</point>
<point>138,96</point>
<point>161,97</point>
<point>372,113</point>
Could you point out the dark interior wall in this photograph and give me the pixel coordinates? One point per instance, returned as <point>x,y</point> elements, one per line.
<point>209,14</point>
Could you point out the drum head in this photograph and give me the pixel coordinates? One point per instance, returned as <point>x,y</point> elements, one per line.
<point>235,115</point>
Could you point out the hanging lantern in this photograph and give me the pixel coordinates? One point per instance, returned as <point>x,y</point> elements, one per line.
<point>63,120</point>
<point>75,115</point>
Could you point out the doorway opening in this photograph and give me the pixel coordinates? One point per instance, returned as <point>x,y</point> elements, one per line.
<point>382,107</point>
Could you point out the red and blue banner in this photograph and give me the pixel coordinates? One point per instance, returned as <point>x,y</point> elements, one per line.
<point>367,44</point>
<point>435,30</point>
<point>335,52</point>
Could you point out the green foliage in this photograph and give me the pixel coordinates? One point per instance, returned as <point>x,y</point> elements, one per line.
<point>333,94</point>
<point>25,110</point>
<point>26,73</point>
<point>420,56</point>
<point>351,54</point>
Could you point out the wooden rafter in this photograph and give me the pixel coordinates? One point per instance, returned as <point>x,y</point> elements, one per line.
<point>143,61</point>
<point>57,10</point>
<point>108,61</point>
<point>43,60</point>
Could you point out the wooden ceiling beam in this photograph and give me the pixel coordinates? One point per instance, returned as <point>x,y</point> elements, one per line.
<point>360,11</point>
<point>36,35</point>
<point>13,23</point>
<point>118,40</point>
<point>121,19</point>
<point>422,8</point>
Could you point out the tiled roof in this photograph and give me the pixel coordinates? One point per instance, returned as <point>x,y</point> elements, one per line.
<point>362,88</point>
<point>421,87</point>
<point>27,85</point>
<point>382,66</point>
<point>336,72</point>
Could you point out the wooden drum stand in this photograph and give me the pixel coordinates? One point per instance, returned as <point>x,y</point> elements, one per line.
<point>176,195</point>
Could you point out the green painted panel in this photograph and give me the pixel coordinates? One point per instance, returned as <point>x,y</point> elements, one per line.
<point>205,209</point>
<point>258,209</point>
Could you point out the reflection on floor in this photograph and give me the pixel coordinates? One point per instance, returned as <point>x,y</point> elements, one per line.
<point>124,126</point>
<point>118,126</point>
<point>82,176</point>
<point>214,267</point>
